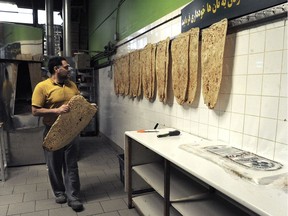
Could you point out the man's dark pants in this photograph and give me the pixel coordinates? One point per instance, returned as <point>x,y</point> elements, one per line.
<point>65,158</point>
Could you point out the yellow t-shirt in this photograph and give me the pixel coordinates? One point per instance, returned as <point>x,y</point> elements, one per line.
<point>48,94</point>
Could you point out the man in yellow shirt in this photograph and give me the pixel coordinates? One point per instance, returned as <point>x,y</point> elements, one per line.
<point>49,99</point>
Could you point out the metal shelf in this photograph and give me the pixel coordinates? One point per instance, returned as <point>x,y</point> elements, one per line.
<point>85,80</point>
<point>152,204</point>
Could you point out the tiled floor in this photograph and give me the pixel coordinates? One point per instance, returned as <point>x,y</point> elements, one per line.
<point>27,192</point>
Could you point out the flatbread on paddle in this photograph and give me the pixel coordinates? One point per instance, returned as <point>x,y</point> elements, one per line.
<point>69,125</point>
<point>212,52</point>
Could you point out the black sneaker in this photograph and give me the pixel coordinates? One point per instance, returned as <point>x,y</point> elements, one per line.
<point>76,205</point>
<point>60,199</point>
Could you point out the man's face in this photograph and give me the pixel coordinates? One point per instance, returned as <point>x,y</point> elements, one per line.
<point>63,72</point>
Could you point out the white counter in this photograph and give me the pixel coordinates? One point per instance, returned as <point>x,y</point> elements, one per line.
<point>269,199</point>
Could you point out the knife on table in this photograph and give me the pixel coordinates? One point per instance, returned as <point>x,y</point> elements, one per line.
<point>170,133</point>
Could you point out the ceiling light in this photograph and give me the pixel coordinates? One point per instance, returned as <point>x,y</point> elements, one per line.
<point>8,7</point>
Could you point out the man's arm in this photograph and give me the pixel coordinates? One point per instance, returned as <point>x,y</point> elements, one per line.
<point>39,111</point>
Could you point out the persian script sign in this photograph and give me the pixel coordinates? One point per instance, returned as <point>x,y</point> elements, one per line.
<point>202,13</point>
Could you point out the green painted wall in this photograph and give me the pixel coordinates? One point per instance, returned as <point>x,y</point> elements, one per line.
<point>133,15</point>
<point>15,32</point>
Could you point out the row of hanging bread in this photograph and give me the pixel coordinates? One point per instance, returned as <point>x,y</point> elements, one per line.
<point>137,71</point>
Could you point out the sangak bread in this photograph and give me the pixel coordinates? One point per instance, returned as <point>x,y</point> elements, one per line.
<point>142,65</point>
<point>153,74</point>
<point>162,62</point>
<point>193,64</point>
<point>116,76</point>
<point>179,52</point>
<point>147,70</point>
<point>121,75</point>
<point>213,44</point>
<point>126,74</point>
<point>135,74</point>
<point>69,125</point>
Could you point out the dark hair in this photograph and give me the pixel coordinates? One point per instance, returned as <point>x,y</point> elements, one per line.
<point>55,61</point>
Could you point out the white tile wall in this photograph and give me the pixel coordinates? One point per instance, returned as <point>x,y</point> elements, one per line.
<point>253,105</point>
<point>274,39</point>
<point>251,125</point>
<point>269,107</point>
<point>237,122</point>
<point>250,143</point>
<point>273,62</point>
<point>256,63</point>
<point>251,112</point>
<point>254,84</point>
<point>257,42</point>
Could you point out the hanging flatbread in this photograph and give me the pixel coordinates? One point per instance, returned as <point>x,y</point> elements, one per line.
<point>162,62</point>
<point>193,64</point>
<point>179,52</point>
<point>147,71</point>
<point>140,77</point>
<point>121,75</point>
<point>126,73</point>
<point>118,79</point>
<point>212,52</point>
<point>135,74</point>
<point>116,76</point>
<point>121,78</point>
<point>153,74</point>
<point>142,60</point>
<point>69,125</point>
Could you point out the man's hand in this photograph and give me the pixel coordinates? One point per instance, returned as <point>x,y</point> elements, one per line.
<point>63,109</point>
<point>94,104</point>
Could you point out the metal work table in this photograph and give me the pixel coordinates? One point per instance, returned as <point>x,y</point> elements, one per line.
<point>151,158</point>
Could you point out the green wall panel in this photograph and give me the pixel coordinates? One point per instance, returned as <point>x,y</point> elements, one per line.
<point>133,15</point>
<point>16,32</point>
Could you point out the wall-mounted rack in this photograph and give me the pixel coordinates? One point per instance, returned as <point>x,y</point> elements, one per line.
<point>269,14</point>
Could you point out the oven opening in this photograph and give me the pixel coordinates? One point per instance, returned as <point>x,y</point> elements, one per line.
<point>23,90</point>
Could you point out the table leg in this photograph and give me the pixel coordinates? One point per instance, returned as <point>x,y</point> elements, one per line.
<point>166,187</point>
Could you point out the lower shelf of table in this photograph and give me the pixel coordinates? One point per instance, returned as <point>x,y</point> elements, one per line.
<point>214,205</point>
<point>182,186</point>
<point>152,204</point>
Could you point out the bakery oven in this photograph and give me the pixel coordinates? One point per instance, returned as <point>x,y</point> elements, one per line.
<point>22,130</point>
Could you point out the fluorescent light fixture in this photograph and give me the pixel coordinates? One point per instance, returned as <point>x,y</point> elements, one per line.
<point>8,7</point>
<point>42,17</point>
